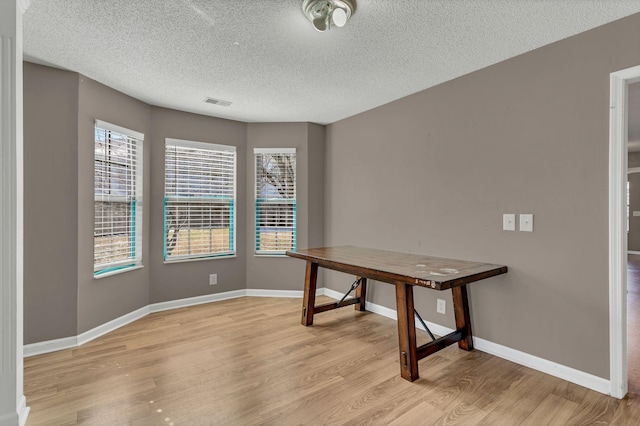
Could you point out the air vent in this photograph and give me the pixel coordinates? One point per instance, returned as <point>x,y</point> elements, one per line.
<point>218,102</point>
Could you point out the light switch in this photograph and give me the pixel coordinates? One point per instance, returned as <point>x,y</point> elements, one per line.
<point>636,213</point>
<point>526,222</point>
<point>508,222</point>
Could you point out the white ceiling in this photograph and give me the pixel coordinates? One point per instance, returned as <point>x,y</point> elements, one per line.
<point>265,57</point>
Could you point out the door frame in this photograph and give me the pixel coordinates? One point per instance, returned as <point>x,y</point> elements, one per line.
<point>618,135</point>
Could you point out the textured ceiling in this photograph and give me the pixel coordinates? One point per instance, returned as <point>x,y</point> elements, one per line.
<point>265,57</point>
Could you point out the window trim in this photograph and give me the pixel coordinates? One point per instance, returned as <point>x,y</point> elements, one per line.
<point>232,206</point>
<point>116,271</point>
<point>107,269</point>
<point>119,129</point>
<point>278,253</point>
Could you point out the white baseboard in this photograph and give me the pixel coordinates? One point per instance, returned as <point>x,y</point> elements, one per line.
<point>39,348</point>
<point>536,363</point>
<point>114,324</point>
<point>198,300</point>
<point>295,294</point>
<point>554,369</point>
<point>47,346</point>
<point>21,414</point>
<point>274,293</point>
<point>33,349</point>
<point>549,367</point>
<point>23,411</point>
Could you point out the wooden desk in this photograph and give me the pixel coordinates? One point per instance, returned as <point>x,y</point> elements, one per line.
<point>404,271</point>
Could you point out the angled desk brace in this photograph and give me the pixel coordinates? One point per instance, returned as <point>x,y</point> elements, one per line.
<point>360,284</point>
<point>424,324</point>
<point>356,300</point>
<point>404,271</point>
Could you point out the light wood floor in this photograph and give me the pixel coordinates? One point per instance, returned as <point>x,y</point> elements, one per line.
<point>633,327</point>
<point>249,361</point>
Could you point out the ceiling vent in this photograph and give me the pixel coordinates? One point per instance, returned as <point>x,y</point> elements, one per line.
<point>218,102</point>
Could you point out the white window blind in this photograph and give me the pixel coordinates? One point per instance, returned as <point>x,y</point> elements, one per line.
<point>199,203</point>
<point>117,236</point>
<point>275,200</point>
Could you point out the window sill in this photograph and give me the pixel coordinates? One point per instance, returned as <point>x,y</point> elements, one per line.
<point>197,259</point>
<point>270,255</point>
<point>117,271</point>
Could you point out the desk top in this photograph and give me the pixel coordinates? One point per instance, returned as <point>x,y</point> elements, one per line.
<point>391,267</point>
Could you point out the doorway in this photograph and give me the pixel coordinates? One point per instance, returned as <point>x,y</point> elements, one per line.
<point>618,246</point>
<point>633,238</point>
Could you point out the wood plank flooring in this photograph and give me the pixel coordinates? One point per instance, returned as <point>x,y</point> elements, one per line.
<point>633,327</point>
<point>248,361</point>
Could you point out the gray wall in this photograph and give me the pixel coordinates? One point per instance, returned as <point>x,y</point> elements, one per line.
<point>187,279</point>
<point>434,172</point>
<point>431,173</point>
<point>50,203</point>
<point>62,298</point>
<point>270,272</point>
<point>101,300</point>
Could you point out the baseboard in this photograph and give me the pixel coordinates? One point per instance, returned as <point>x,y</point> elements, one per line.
<point>114,324</point>
<point>274,293</point>
<point>21,415</point>
<point>549,367</point>
<point>554,369</point>
<point>23,411</point>
<point>198,300</point>
<point>33,349</point>
<point>296,294</point>
<point>536,363</point>
<point>39,348</point>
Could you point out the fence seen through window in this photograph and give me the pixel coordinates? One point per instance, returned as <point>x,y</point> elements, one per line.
<point>275,197</point>
<point>199,203</point>
<point>117,196</point>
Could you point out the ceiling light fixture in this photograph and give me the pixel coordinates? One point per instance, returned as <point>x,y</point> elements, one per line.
<point>325,14</point>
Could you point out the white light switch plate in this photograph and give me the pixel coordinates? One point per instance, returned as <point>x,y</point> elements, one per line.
<point>526,222</point>
<point>508,222</point>
<point>636,213</point>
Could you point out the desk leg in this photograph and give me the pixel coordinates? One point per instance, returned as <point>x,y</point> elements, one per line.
<point>361,292</point>
<point>406,332</point>
<point>309,293</point>
<point>463,319</point>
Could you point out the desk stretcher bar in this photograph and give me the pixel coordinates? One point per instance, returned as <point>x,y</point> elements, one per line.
<point>404,271</point>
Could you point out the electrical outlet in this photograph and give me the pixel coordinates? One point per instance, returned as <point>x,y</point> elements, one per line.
<point>442,306</point>
<point>526,222</point>
<point>509,222</point>
<point>213,279</point>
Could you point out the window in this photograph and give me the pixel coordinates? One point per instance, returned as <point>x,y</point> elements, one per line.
<point>275,200</point>
<point>199,200</point>
<point>117,232</point>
